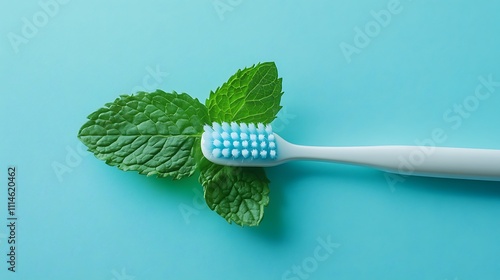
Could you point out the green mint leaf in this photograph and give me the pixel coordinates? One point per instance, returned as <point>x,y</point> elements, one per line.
<point>152,133</point>
<point>159,133</point>
<point>238,194</point>
<point>251,95</point>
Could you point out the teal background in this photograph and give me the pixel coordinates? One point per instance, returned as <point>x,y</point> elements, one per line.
<point>96,222</point>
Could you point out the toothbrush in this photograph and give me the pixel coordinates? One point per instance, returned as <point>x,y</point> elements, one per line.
<point>255,145</point>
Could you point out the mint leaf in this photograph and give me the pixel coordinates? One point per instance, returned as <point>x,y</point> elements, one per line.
<point>237,194</point>
<point>251,95</point>
<point>152,133</point>
<point>160,133</point>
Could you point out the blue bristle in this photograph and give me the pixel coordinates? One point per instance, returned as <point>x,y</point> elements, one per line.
<point>240,141</point>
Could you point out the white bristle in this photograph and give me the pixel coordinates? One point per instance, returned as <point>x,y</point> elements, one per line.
<point>255,153</point>
<point>235,153</point>
<point>217,143</point>
<point>235,126</point>
<point>216,126</point>
<point>272,153</point>
<point>246,142</point>
<point>254,144</point>
<point>260,128</point>
<point>263,154</point>
<point>245,153</point>
<point>216,153</point>
<point>207,128</point>
<point>269,129</point>
<point>206,138</point>
<point>251,128</point>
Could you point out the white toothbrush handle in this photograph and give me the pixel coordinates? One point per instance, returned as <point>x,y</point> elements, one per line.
<point>459,163</point>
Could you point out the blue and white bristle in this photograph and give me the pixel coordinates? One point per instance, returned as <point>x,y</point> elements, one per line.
<point>240,141</point>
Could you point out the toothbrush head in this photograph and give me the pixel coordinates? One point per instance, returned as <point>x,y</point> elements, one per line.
<point>240,144</point>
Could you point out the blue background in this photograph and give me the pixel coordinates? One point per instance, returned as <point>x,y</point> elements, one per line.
<point>81,219</point>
